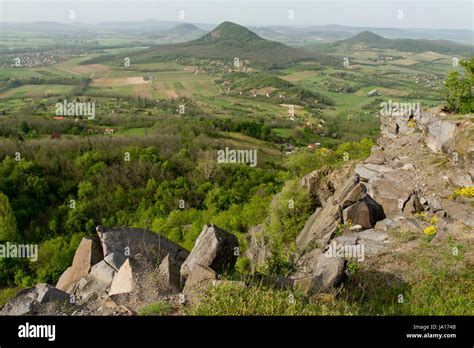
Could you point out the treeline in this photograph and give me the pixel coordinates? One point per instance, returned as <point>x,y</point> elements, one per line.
<point>57,190</point>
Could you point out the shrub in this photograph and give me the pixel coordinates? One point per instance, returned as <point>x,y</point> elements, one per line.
<point>458,88</point>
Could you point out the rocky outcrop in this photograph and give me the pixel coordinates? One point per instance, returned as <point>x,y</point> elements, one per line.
<point>350,203</point>
<point>439,133</point>
<point>214,248</point>
<point>133,241</point>
<point>87,255</point>
<point>328,273</point>
<point>29,301</point>
<point>319,187</point>
<point>199,277</point>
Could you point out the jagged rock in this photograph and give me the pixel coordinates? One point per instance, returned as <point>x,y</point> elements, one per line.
<point>435,203</point>
<point>408,224</point>
<point>385,225</point>
<point>96,282</point>
<point>373,241</point>
<point>199,276</point>
<point>347,239</point>
<point>259,250</point>
<point>88,253</point>
<point>358,193</point>
<point>306,263</point>
<point>115,260</point>
<point>369,171</point>
<point>322,225</point>
<point>170,271</point>
<point>329,272</point>
<point>318,186</point>
<point>123,280</point>
<point>365,213</point>
<point>143,279</point>
<point>134,241</point>
<point>377,156</point>
<point>214,248</point>
<point>28,301</point>
<point>439,133</point>
<point>392,192</point>
<point>460,212</point>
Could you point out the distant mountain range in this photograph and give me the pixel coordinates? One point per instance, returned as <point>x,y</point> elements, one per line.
<point>372,40</point>
<point>286,34</point>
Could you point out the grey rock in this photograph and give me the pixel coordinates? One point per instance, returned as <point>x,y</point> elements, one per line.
<point>460,212</point>
<point>115,260</point>
<point>439,133</point>
<point>199,277</point>
<point>88,253</point>
<point>369,171</point>
<point>123,281</point>
<point>385,224</point>
<point>97,282</point>
<point>29,300</point>
<point>323,224</point>
<point>365,213</point>
<point>169,269</point>
<point>329,272</point>
<point>214,248</point>
<point>435,203</point>
<point>139,241</point>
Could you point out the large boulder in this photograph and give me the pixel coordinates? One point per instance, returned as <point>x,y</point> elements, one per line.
<point>123,280</point>
<point>439,133</point>
<point>365,212</point>
<point>350,201</point>
<point>29,300</point>
<point>199,277</point>
<point>393,192</point>
<point>460,212</point>
<point>328,273</point>
<point>134,241</point>
<point>214,248</point>
<point>87,255</point>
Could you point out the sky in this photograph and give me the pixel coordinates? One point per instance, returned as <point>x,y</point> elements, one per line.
<point>445,14</point>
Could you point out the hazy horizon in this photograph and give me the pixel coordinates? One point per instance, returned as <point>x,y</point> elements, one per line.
<point>418,14</point>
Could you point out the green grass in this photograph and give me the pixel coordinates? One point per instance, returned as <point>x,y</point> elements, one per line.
<point>158,308</point>
<point>36,91</point>
<point>133,131</point>
<point>8,293</point>
<point>433,281</point>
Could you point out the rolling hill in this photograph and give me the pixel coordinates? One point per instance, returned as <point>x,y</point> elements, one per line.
<point>372,40</point>
<point>227,41</point>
